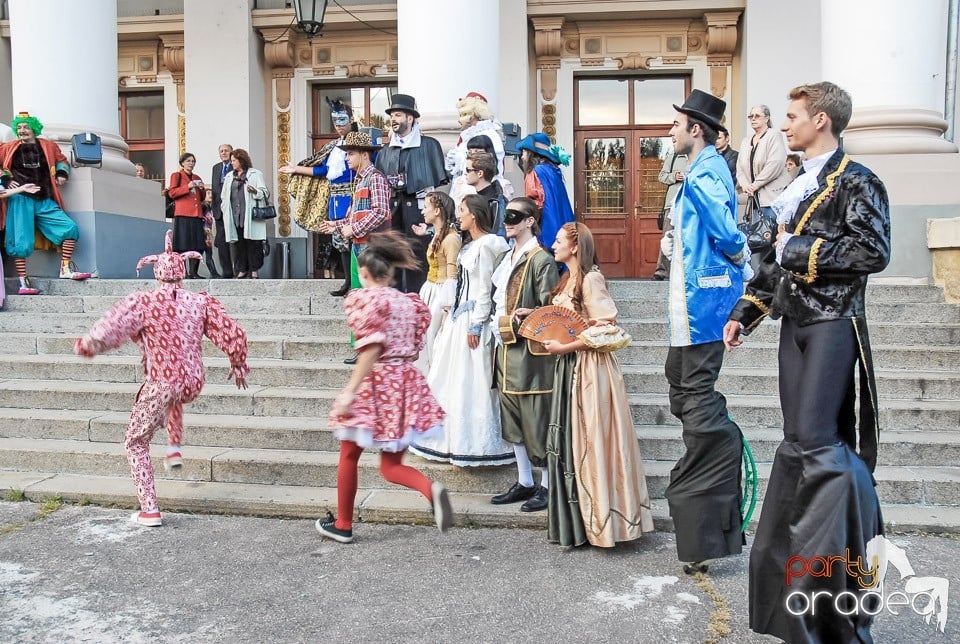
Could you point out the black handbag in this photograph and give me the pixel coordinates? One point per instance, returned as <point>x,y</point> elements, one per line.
<point>264,212</point>
<point>759,228</point>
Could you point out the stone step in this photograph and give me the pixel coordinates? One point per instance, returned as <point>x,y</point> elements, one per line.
<point>266,347</point>
<point>329,374</point>
<point>646,409</point>
<point>648,352</point>
<point>657,442</point>
<point>374,505</point>
<point>266,324</point>
<point>327,305</point>
<point>313,326</point>
<point>899,485</point>
<point>878,290</point>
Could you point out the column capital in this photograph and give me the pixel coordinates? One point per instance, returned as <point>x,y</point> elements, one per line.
<point>547,41</point>
<point>173,55</point>
<point>279,51</point>
<point>721,36</point>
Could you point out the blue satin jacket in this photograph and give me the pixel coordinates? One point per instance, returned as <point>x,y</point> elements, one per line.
<point>704,284</point>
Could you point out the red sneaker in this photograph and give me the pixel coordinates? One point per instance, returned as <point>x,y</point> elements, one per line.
<point>27,290</point>
<point>147,519</point>
<point>173,461</point>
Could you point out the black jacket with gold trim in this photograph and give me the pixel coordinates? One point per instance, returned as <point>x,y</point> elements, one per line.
<point>841,235</point>
<point>527,368</point>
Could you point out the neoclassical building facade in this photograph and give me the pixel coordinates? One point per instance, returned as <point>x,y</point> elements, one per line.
<point>157,78</point>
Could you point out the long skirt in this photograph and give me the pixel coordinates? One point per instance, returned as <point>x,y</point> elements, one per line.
<point>430,294</point>
<point>565,525</point>
<point>188,234</point>
<point>601,450</point>
<point>461,378</point>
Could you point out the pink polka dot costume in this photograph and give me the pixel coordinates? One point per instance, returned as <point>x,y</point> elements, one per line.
<point>393,404</point>
<point>168,324</point>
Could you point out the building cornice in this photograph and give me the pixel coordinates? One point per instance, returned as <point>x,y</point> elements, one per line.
<point>604,9</point>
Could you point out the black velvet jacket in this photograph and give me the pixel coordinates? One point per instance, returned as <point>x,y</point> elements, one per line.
<point>841,235</point>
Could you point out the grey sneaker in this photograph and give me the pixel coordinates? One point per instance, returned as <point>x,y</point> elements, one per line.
<point>442,510</point>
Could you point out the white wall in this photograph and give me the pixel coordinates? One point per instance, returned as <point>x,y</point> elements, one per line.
<point>780,50</point>
<point>514,104</point>
<point>224,82</point>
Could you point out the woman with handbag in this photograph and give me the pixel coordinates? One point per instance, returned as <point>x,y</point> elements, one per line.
<point>243,190</point>
<point>761,164</point>
<point>598,489</point>
<point>187,191</point>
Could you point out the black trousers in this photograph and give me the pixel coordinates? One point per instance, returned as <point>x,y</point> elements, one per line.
<point>223,249</point>
<point>820,500</point>
<point>405,214</point>
<point>247,253</point>
<point>817,394</point>
<point>704,490</point>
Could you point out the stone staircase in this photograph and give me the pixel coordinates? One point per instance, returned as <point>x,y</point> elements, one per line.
<point>266,450</point>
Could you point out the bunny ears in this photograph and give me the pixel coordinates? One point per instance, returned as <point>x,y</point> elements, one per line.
<point>168,266</point>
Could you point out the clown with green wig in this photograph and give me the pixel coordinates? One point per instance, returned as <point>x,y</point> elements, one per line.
<point>32,160</point>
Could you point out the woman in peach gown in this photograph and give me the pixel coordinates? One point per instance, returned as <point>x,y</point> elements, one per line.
<point>598,490</point>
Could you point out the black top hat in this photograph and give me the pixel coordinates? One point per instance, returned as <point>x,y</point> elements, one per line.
<point>703,106</point>
<point>406,103</point>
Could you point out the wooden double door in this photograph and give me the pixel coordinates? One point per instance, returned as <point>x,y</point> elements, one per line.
<point>619,195</point>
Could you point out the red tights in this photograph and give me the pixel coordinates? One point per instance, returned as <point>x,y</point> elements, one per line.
<point>391,468</point>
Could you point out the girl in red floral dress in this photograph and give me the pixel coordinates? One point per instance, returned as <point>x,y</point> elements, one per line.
<point>387,402</point>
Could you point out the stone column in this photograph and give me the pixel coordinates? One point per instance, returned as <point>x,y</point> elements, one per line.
<point>225,83</point>
<point>69,93</point>
<point>446,49</point>
<point>892,62</point>
<point>889,55</point>
<point>74,90</point>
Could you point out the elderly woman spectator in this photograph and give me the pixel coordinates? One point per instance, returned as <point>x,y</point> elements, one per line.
<point>761,169</point>
<point>187,191</point>
<point>241,191</point>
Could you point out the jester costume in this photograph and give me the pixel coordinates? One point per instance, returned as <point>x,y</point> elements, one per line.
<point>168,324</point>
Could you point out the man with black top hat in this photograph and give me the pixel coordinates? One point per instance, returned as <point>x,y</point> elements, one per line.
<point>414,166</point>
<point>523,370</point>
<point>708,255</point>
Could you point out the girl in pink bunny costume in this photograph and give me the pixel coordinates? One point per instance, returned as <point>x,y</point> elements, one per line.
<point>168,324</point>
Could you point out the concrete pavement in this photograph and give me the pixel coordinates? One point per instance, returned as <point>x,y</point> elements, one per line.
<point>82,573</point>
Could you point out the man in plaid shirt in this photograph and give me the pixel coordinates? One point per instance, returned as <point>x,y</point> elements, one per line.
<point>369,209</point>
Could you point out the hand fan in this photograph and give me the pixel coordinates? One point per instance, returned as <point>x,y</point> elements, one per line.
<point>553,323</point>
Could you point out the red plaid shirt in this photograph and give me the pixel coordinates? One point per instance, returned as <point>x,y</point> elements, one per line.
<point>370,206</point>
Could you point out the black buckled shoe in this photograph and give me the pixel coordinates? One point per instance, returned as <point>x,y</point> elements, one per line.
<point>516,493</point>
<point>340,292</point>
<point>537,502</point>
<point>352,359</point>
<point>697,567</point>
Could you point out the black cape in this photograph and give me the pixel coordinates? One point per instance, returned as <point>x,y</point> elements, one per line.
<point>422,167</point>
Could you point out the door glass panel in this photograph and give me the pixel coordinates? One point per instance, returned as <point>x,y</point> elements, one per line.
<point>653,150</point>
<point>144,116</point>
<point>604,175</point>
<point>380,100</point>
<point>604,102</point>
<point>654,99</point>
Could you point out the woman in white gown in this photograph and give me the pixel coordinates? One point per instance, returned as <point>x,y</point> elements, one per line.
<point>461,369</point>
